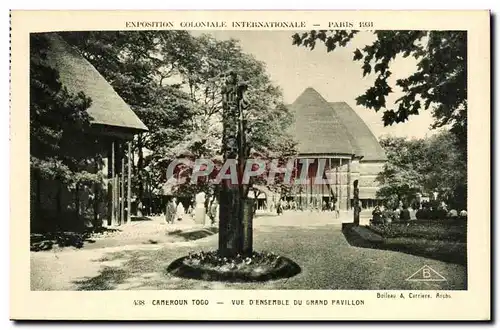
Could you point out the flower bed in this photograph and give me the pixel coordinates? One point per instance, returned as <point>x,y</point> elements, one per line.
<point>210,266</point>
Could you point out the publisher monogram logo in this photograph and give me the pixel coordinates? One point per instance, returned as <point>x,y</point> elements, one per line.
<point>426,274</point>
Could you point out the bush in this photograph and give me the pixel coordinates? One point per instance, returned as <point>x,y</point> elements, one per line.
<point>428,214</point>
<point>455,231</point>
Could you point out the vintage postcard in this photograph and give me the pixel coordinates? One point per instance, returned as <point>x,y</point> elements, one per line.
<point>250,165</point>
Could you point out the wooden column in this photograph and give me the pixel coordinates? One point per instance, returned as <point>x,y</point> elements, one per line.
<point>113,183</point>
<point>310,196</point>
<point>129,175</point>
<point>122,185</point>
<point>349,184</point>
<point>95,203</point>
<point>340,182</point>
<point>328,169</point>
<point>324,177</point>
<point>117,183</point>
<point>337,185</point>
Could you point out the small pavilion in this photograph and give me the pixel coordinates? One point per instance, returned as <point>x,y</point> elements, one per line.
<point>115,125</point>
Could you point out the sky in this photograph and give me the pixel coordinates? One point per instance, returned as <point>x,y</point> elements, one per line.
<point>334,75</point>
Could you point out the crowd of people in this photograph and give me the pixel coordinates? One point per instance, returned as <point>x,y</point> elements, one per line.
<point>285,205</point>
<point>176,211</point>
<point>417,211</point>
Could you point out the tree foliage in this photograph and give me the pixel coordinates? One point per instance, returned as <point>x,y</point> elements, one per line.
<point>427,165</point>
<point>173,80</point>
<point>439,82</point>
<point>140,65</point>
<point>61,147</point>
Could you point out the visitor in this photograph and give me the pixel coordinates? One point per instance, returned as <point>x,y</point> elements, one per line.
<point>337,211</point>
<point>405,214</point>
<point>413,213</point>
<point>453,214</point>
<point>213,211</point>
<point>139,209</point>
<point>443,206</point>
<point>180,211</point>
<point>377,215</point>
<point>279,208</point>
<point>170,211</point>
<point>396,214</point>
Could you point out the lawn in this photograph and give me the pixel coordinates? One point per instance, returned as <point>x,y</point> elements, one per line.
<point>326,259</point>
<point>444,240</point>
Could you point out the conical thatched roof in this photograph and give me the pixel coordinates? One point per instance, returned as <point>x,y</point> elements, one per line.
<point>362,139</point>
<point>78,75</point>
<point>322,127</point>
<point>316,128</point>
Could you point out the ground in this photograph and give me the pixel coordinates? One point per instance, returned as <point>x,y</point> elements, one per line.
<point>137,257</point>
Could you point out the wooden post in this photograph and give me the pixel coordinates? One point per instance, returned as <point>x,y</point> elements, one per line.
<point>356,203</point>
<point>349,184</point>
<point>116,183</point>
<point>129,175</point>
<point>95,202</point>
<point>230,231</point>
<point>112,186</point>
<point>340,182</point>
<point>327,177</point>
<point>337,185</point>
<point>323,176</point>
<point>122,186</point>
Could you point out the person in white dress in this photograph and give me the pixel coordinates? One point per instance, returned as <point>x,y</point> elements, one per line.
<point>199,209</point>
<point>180,211</point>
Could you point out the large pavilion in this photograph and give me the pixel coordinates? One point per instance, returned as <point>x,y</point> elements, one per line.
<point>333,132</point>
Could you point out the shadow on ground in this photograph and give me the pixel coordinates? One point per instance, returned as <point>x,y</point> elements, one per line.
<point>143,268</point>
<point>447,251</point>
<point>48,240</point>
<point>134,270</point>
<point>140,219</point>
<point>195,234</point>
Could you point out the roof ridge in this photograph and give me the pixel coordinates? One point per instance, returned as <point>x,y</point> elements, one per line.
<point>317,128</point>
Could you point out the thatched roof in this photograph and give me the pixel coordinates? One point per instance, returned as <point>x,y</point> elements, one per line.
<point>322,127</point>
<point>362,139</point>
<point>316,128</point>
<point>78,75</point>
